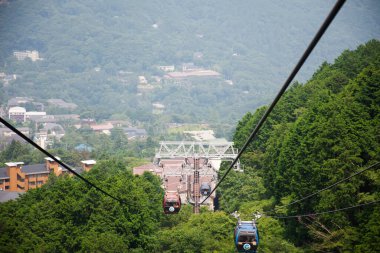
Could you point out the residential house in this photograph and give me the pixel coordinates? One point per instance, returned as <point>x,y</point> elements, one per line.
<point>135,133</point>
<point>102,128</point>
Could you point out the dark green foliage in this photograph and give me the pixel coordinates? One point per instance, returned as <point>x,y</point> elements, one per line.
<point>207,232</point>
<point>318,134</point>
<point>65,215</point>
<point>20,152</point>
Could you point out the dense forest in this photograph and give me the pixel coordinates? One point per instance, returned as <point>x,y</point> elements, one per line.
<point>94,51</point>
<point>319,133</point>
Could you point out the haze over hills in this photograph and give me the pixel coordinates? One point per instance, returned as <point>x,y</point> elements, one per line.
<point>312,172</point>
<point>114,78</point>
<point>94,51</point>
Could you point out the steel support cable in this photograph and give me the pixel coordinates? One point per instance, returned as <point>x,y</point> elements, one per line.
<point>302,60</point>
<point>326,188</point>
<point>325,212</point>
<point>58,161</point>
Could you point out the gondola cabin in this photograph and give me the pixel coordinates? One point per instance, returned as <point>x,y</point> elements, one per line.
<point>205,189</point>
<point>171,202</point>
<point>246,236</point>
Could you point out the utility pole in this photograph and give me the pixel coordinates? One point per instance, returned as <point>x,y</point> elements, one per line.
<point>196,190</point>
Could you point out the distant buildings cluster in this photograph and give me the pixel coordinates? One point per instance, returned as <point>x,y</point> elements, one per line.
<point>48,128</point>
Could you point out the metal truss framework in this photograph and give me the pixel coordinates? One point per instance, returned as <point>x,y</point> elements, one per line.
<point>208,150</point>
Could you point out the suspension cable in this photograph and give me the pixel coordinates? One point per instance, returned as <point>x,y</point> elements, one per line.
<point>324,189</point>
<point>302,60</point>
<point>320,213</point>
<point>56,160</point>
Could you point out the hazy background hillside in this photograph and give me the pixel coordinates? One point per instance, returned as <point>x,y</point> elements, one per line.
<point>255,44</point>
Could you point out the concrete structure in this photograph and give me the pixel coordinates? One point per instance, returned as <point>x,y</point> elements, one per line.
<point>17,114</point>
<point>185,166</point>
<point>178,175</point>
<point>17,177</point>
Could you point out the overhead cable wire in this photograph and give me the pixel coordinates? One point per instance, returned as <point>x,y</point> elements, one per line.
<point>301,61</point>
<point>56,160</point>
<point>326,188</point>
<point>325,212</point>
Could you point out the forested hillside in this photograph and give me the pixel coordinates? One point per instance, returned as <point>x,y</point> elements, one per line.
<point>86,45</point>
<point>319,133</point>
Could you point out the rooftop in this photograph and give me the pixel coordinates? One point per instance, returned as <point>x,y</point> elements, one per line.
<point>3,173</point>
<point>12,164</point>
<point>51,160</point>
<point>17,109</point>
<point>89,162</point>
<point>7,195</point>
<point>195,73</point>
<point>34,169</point>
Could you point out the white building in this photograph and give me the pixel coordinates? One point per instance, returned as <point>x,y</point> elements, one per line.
<point>34,115</point>
<point>17,113</point>
<point>169,68</point>
<point>22,55</point>
<point>158,108</point>
<point>142,80</point>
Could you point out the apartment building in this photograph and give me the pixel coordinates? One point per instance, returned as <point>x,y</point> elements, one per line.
<point>22,55</point>
<point>17,177</point>
<point>17,114</point>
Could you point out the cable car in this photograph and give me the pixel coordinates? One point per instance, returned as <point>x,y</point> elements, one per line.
<point>246,236</point>
<point>171,202</point>
<point>205,189</point>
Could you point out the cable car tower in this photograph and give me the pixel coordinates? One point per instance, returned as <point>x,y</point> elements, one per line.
<point>195,151</point>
